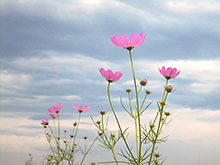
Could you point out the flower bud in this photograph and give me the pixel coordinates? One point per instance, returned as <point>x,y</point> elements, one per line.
<point>98,122</point>
<point>148,92</point>
<point>128,90</point>
<point>100,133</point>
<point>167,113</point>
<point>85,137</point>
<point>72,150</point>
<point>143,82</point>
<point>64,141</point>
<point>157,155</point>
<point>71,136</point>
<point>65,131</point>
<point>112,135</point>
<point>58,138</point>
<point>102,112</point>
<point>169,88</point>
<point>152,125</point>
<point>162,102</point>
<point>75,124</point>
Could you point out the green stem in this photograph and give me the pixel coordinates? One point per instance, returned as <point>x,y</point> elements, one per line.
<point>77,126</point>
<point>51,147</point>
<point>159,128</point>
<point>106,138</point>
<point>119,126</point>
<point>137,109</point>
<point>88,150</point>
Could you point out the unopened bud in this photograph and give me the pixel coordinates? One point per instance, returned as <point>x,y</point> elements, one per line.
<point>167,113</point>
<point>75,124</point>
<point>85,137</point>
<point>157,155</point>
<point>112,135</point>
<point>100,133</point>
<point>102,112</point>
<point>128,90</point>
<point>143,82</point>
<point>152,126</point>
<point>65,131</point>
<point>64,141</point>
<point>162,102</point>
<point>148,92</point>
<point>98,122</point>
<point>71,136</point>
<point>169,88</point>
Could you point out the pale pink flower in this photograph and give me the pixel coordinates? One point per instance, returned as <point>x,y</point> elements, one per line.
<point>54,116</point>
<point>110,76</point>
<point>45,122</point>
<point>123,42</point>
<point>55,109</point>
<point>169,72</point>
<point>80,108</point>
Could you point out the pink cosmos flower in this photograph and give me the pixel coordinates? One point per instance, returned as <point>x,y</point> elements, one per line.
<point>55,109</point>
<point>80,108</point>
<point>45,122</point>
<point>123,42</point>
<point>54,116</point>
<point>169,72</point>
<point>110,76</point>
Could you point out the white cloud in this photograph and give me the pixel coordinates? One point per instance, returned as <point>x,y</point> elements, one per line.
<point>196,6</point>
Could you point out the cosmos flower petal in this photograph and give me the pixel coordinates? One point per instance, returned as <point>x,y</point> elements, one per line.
<point>109,75</point>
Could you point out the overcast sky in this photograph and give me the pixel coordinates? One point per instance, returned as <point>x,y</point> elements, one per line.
<point>51,52</point>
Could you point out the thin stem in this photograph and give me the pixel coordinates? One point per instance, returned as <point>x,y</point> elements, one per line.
<point>159,128</point>
<point>119,126</point>
<point>106,138</point>
<point>74,139</point>
<point>88,150</point>
<point>137,108</point>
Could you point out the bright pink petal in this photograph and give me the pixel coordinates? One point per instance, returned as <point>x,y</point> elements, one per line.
<point>114,40</point>
<point>168,71</point>
<point>173,72</point>
<point>102,71</point>
<point>123,41</point>
<point>141,40</point>
<point>59,106</point>
<point>118,75</point>
<point>135,39</point>
<point>80,107</point>
<point>76,105</point>
<point>177,73</point>
<point>86,108</point>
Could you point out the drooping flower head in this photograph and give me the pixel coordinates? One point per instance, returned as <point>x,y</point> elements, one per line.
<point>133,41</point>
<point>109,75</point>
<point>45,122</point>
<point>169,72</point>
<point>55,109</point>
<point>80,108</point>
<point>54,116</point>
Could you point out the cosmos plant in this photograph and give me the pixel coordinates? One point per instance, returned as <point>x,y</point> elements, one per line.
<point>147,135</point>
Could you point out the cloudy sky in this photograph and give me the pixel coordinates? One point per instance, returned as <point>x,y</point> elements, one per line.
<point>51,52</point>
